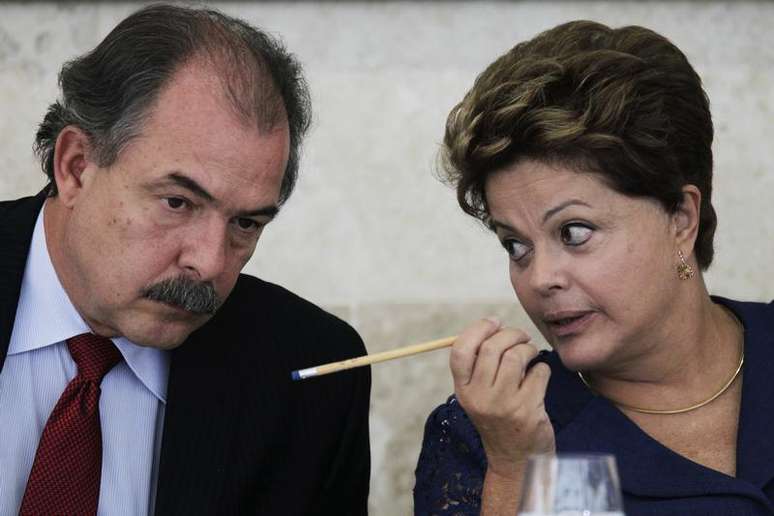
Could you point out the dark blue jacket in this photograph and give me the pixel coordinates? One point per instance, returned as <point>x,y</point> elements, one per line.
<point>655,480</point>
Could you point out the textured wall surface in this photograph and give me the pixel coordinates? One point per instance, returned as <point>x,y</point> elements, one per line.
<point>370,233</point>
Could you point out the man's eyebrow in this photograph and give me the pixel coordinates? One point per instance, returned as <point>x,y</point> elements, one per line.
<point>197,189</point>
<point>190,184</point>
<point>566,204</point>
<point>266,211</point>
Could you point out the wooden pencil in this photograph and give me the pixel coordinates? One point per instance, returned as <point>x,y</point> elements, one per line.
<point>392,354</point>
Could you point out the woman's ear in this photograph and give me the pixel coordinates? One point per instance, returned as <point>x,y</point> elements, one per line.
<point>686,219</point>
<point>71,158</point>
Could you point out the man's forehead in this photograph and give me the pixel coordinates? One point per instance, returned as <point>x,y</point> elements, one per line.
<point>252,100</point>
<point>192,139</point>
<point>195,101</point>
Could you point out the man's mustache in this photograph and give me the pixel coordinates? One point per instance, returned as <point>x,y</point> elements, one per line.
<point>183,292</point>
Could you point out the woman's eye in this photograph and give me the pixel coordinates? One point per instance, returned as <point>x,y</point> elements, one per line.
<point>516,250</point>
<point>575,234</point>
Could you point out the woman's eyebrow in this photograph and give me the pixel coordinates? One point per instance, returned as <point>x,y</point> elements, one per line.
<point>566,204</point>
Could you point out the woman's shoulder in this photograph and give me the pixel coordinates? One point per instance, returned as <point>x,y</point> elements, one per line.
<point>752,314</point>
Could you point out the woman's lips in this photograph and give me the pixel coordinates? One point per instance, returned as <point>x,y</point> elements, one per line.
<point>566,324</point>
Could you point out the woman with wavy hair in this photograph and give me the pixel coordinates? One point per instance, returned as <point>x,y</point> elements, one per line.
<point>587,151</point>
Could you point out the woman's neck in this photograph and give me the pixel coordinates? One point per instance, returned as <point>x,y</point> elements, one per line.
<point>686,360</point>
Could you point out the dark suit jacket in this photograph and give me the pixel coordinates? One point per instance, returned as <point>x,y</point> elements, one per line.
<point>239,436</point>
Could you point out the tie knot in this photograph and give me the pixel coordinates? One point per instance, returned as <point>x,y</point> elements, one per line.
<point>94,355</point>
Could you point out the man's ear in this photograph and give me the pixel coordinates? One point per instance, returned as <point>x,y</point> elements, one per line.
<point>72,156</point>
<point>686,219</point>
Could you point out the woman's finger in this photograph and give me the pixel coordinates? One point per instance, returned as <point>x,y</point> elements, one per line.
<point>465,349</point>
<point>533,388</point>
<point>513,366</point>
<point>491,354</point>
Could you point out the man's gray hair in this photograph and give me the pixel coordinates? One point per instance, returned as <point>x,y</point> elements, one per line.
<point>109,91</point>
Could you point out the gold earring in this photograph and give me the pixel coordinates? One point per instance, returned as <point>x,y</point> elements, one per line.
<point>684,271</point>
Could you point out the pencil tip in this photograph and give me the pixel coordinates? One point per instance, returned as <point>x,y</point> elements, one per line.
<point>295,375</point>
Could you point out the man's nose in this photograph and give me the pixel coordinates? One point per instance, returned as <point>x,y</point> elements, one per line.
<point>205,250</point>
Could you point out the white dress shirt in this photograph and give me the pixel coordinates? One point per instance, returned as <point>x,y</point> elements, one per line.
<point>37,370</point>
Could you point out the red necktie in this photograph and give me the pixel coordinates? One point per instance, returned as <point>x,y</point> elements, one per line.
<point>66,473</point>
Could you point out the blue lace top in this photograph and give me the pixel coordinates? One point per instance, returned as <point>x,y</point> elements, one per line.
<point>655,481</point>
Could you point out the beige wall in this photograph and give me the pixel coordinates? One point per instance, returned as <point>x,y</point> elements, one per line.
<point>369,233</point>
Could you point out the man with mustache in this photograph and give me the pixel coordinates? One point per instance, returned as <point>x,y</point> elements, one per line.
<point>141,372</point>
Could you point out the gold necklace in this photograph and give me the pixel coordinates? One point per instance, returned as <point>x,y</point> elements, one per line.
<point>686,409</point>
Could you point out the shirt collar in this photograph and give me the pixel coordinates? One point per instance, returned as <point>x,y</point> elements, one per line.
<point>45,316</point>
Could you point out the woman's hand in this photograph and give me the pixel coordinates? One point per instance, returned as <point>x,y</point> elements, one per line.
<point>504,401</point>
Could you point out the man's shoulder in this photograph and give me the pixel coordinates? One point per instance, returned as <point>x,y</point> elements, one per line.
<point>251,288</point>
<point>285,306</point>
<point>20,210</point>
<point>17,220</point>
<point>258,307</point>
<point>10,204</point>
<point>22,205</point>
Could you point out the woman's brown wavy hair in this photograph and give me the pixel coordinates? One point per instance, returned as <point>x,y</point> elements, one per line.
<point>622,103</point>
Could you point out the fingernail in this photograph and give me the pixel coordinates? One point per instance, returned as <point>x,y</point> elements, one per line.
<point>495,321</point>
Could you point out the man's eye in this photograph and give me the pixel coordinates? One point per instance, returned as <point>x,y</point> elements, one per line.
<point>247,224</point>
<point>175,202</point>
<point>516,250</point>
<point>575,233</point>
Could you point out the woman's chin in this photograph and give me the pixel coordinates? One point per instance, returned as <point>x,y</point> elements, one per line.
<point>577,357</point>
